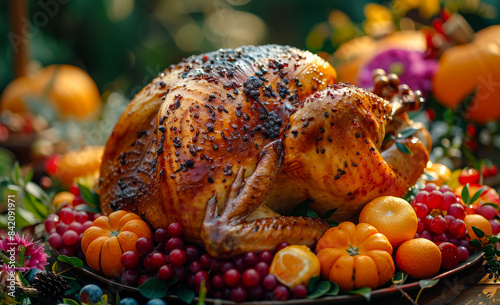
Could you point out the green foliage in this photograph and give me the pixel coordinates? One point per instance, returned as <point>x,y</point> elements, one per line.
<point>317,288</point>
<point>155,288</point>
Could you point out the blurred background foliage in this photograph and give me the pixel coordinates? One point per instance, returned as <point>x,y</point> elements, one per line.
<point>124,44</point>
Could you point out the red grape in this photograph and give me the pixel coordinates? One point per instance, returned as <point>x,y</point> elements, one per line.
<point>428,221</point>
<point>161,235</point>
<point>456,210</point>
<point>250,259</point>
<point>61,228</point>
<point>130,259</point>
<point>142,279</point>
<point>495,226</point>
<point>55,240</point>
<point>238,294</point>
<point>174,243</point>
<point>76,226</point>
<point>256,293</point>
<point>299,292</point>
<point>144,245</point>
<point>250,278</point>
<point>262,268</point>
<point>129,277</point>
<point>426,234</point>
<point>216,265</point>
<point>269,282</point>
<point>429,187</point>
<point>421,197</point>
<point>449,255</point>
<point>51,222</point>
<point>280,293</point>
<point>445,188</point>
<point>67,250</point>
<point>205,261</point>
<point>434,200</point>
<point>239,263</point>
<point>157,259</point>
<point>458,229</point>
<point>463,254</point>
<point>465,244</point>
<point>192,253</point>
<point>174,229</point>
<point>177,257</point>
<point>180,273</point>
<point>148,265</point>
<point>448,199</point>
<point>73,189</point>
<point>81,216</point>
<point>421,210</point>
<point>226,265</point>
<point>487,211</point>
<point>449,220</point>
<point>266,257</point>
<point>66,215</point>
<point>421,226</point>
<point>440,238</point>
<point>218,281</point>
<point>69,237</point>
<point>86,225</point>
<point>195,267</point>
<point>201,276</point>
<point>439,225</point>
<point>232,277</point>
<point>282,245</point>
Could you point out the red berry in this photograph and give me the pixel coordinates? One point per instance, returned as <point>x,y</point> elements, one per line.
<point>55,240</point>
<point>250,259</point>
<point>51,222</point>
<point>232,277</point>
<point>81,216</point>
<point>456,210</point>
<point>174,243</point>
<point>216,265</point>
<point>86,225</point>
<point>449,255</point>
<point>421,226</point>
<point>130,259</point>
<point>238,294</point>
<point>142,279</point>
<point>493,170</point>
<point>280,293</point>
<point>266,257</point>
<point>66,215</point>
<point>426,234</point>
<point>262,268</point>
<point>434,200</point>
<point>161,236</point>
<point>440,238</point>
<point>239,263</point>
<point>256,293</point>
<point>73,189</point>
<point>201,276</point>
<point>76,226</point>
<point>226,265</point>
<point>495,226</point>
<point>205,261</point>
<point>174,229</point>
<point>51,164</point>
<point>157,259</point>
<point>218,281</point>
<point>69,237</point>
<point>458,229</point>
<point>470,175</point>
<point>180,273</point>
<point>449,220</point>
<point>195,267</point>
<point>448,199</point>
<point>250,278</point>
<point>428,221</point>
<point>67,250</point>
<point>445,188</point>
<point>463,254</point>
<point>144,245</point>
<point>465,244</point>
<point>269,282</point>
<point>487,211</point>
<point>421,197</point>
<point>421,210</point>
<point>148,265</point>
<point>439,225</point>
<point>299,292</point>
<point>429,187</point>
<point>177,257</point>
<point>282,245</point>
<point>192,253</point>
<point>77,201</point>
<point>129,277</point>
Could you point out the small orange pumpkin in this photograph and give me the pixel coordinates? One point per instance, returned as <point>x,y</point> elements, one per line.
<point>109,237</point>
<point>355,256</point>
<point>471,68</point>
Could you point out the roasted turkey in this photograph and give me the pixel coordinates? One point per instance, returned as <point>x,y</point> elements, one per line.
<point>226,142</point>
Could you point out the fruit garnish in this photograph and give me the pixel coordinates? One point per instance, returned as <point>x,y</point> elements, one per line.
<point>295,265</point>
<point>479,222</point>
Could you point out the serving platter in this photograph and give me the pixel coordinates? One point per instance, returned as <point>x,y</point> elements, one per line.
<point>410,285</point>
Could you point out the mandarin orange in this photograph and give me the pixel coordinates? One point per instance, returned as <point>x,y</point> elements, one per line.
<point>295,265</point>
<point>419,257</point>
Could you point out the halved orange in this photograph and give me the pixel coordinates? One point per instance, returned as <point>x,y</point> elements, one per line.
<point>295,265</point>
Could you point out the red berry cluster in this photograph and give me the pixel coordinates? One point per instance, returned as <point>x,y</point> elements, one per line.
<point>441,219</point>
<point>472,175</point>
<point>65,229</point>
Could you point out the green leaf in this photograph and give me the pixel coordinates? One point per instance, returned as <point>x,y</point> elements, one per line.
<point>28,177</point>
<point>186,295</point>
<point>35,206</point>
<point>68,277</point>
<point>332,223</point>
<point>334,289</point>
<point>301,208</point>
<point>311,213</point>
<point>490,252</point>
<point>389,137</point>
<point>428,177</point>
<point>88,196</point>
<point>427,283</point>
<point>494,240</point>
<point>408,132</point>
<point>322,288</point>
<point>328,213</point>
<point>478,232</point>
<point>465,194</point>
<point>311,286</point>
<point>154,289</point>
<point>476,243</point>
<point>73,261</point>
<point>70,302</point>
<point>54,267</point>
<point>477,195</point>
<point>24,218</point>
<point>117,299</point>
<point>403,148</point>
<point>22,249</point>
<point>202,294</point>
<point>38,192</point>
<point>365,292</point>
<point>86,208</point>
<point>16,175</point>
<point>74,288</point>
<point>492,204</point>
<point>23,279</point>
<point>399,278</point>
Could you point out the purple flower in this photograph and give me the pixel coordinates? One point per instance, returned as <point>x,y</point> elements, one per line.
<point>34,255</point>
<point>412,68</point>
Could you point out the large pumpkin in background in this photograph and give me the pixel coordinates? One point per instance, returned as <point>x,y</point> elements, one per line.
<point>472,69</point>
<point>70,90</point>
<point>355,53</point>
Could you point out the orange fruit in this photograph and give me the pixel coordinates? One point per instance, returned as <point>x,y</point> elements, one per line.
<point>419,257</point>
<point>62,198</point>
<point>392,216</point>
<point>295,265</point>
<point>438,171</point>
<point>478,221</point>
<point>78,163</point>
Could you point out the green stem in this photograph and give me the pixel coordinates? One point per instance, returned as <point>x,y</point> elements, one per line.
<point>418,295</point>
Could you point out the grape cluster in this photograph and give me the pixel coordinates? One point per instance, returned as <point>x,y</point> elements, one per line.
<point>65,229</point>
<point>167,256</point>
<point>441,218</point>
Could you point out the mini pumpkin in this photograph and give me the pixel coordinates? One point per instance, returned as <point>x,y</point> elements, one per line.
<point>355,256</point>
<point>471,68</point>
<point>109,237</point>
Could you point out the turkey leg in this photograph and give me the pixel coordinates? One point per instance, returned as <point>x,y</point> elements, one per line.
<point>228,234</point>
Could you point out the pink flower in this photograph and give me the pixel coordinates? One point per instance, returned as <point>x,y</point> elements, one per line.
<point>34,254</point>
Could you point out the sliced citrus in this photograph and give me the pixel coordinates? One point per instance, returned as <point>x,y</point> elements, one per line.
<point>295,265</point>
